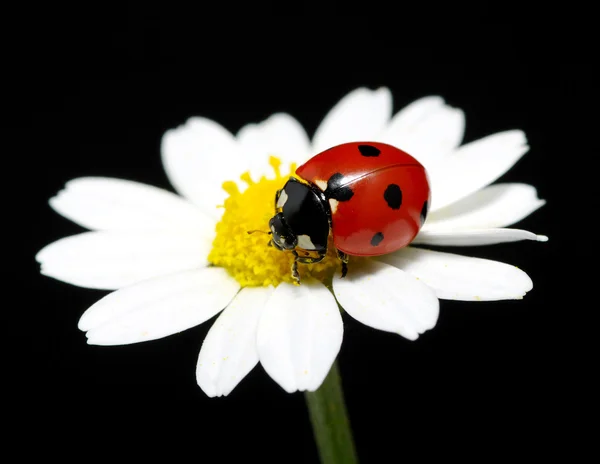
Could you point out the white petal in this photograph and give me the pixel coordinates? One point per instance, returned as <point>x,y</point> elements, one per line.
<point>229,349</point>
<point>198,157</point>
<point>497,205</point>
<point>475,165</point>
<point>299,335</point>
<point>113,259</point>
<point>115,204</point>
<point>360,116</point>
<point>386,298</point>
<point>280,135</point>
<point>455,277</point>
<point>475,237</point>
<point>158,307</point>
<point>427,129</point>
<point>407,120</point>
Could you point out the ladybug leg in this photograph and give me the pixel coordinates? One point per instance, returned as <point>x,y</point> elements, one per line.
<point>344,259</point>
<point>295,274</point>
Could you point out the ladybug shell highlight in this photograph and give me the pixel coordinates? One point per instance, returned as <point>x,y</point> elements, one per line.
<point>378,194</point>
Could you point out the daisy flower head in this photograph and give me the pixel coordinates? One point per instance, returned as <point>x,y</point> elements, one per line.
<point>173,261</point>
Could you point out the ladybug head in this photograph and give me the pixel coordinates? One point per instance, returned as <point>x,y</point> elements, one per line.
<point>283,237</point>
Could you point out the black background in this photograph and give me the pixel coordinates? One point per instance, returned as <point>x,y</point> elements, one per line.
<point>93,96</point>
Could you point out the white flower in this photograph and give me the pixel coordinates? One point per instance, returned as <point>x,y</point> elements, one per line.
<point>151,246</point>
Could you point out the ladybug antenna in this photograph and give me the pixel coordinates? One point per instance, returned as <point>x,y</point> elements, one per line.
<point>261,231</point>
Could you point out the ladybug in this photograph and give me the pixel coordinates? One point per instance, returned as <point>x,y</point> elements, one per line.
<point>372,197</point>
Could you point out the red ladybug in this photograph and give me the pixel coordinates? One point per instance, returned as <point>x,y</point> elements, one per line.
<point>372,196</point>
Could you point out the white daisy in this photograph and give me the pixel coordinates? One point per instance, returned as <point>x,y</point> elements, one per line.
<point>175,261</point>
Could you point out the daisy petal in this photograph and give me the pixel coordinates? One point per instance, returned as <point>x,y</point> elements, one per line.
<point>455,277</point>
<point>115,204</point>
<point>407,120</point>
<point>198,157</point>
<point>158,307</point>
<point>386,298</point>
<point>360,115</point>
<point>229,349</point>
<point>475,237</point>
<point>497,205</point>
<point>109,260</point>
<point>299,335</point>
<point>281,136</point>
<point>427,129</point>
<point>475,165</point>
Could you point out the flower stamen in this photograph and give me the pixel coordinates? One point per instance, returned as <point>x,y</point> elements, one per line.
<point>247,256</point>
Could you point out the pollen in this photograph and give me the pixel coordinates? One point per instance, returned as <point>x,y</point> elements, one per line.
<point>241,245</point>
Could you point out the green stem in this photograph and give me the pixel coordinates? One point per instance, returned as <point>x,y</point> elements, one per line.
<point>330,421</point>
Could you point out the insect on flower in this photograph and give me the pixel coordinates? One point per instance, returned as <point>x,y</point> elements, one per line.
<point>372,197</point>
<point>173,261</point>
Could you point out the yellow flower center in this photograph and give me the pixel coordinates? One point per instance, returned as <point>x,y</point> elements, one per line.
<point>247,256</point>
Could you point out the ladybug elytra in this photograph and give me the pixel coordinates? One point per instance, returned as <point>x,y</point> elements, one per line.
<point>372,197</point>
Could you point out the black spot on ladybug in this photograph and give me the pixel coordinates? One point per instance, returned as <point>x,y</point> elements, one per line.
<point>393,196</point>
<point>377,238</point>
<point>336,188</point>
<point>424,212</point>
<point>369,150</point>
